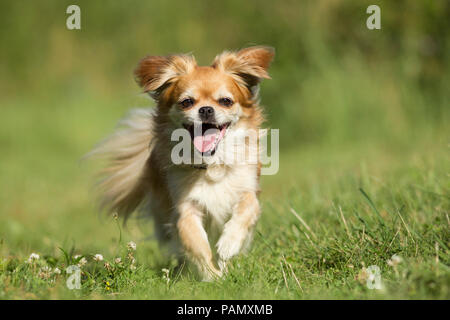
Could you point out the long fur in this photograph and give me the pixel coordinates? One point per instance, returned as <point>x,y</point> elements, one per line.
<point>192,208</point>
<point>126,151</point>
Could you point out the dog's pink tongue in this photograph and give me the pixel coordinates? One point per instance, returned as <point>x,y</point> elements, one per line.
<point>206,142</point>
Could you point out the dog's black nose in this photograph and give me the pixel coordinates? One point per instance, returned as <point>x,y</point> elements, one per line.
<point>206,113</point>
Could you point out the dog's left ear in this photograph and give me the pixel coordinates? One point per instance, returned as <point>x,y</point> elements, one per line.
<point>248,65</point>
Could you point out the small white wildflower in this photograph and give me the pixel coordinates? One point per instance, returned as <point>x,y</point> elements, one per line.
<point>118,260</point>
<point>395,260</point>
<point>82,262</point>
<point>44,272</point>
<point>362,275</point>
<point>77,256</point>
<point>131,246</point>
<point>132,267</point>
<point>56,271</point>
<point>33,256</point>
<point>98,257</point>
<point>166,274</point>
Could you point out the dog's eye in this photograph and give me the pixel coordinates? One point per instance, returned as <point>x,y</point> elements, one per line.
<point>186,103</point>
<point>226,102</point>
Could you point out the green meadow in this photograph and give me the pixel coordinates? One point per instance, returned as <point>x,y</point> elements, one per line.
<point>364,174</point>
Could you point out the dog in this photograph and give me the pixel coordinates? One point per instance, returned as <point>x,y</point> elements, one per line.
<point>207,200</point>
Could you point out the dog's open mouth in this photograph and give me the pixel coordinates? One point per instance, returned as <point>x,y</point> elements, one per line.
<point>206,136</point>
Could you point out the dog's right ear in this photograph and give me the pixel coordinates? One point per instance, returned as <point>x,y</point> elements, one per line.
<point>156,73</point>
<point>248,66</point>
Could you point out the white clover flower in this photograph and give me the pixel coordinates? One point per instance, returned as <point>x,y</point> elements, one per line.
<point>56,271</point>
<point>363,275</point>
<point>33,256</point>
<point>98,257</point>
<point>131,246</point>
<point>133,262</point>
<point>45,272</point>
<point>82,262</point>
<point>395,260</point>
<point>166,274</point>
<point>118,260</point>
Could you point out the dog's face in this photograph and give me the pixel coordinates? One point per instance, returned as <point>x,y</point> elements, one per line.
<point>208,101</point>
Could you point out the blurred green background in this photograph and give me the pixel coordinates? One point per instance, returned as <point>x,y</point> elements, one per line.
<point>343,96</point>
<point>333,79</point>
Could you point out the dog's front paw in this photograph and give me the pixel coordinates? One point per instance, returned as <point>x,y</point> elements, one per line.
<point>222,265</point>
<point>209,275</point>
<point>228,246</point>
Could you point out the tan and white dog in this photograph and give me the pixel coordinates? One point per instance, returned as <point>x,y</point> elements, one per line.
<point>208,201</point>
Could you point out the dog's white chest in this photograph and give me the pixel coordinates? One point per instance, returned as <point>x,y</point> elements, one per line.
<point>219,189</point>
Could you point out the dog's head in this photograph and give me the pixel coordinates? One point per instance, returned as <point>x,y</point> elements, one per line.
<point>208,101</point>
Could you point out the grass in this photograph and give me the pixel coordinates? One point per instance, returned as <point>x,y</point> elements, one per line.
<point>363,118</point>
<point>331,212</point>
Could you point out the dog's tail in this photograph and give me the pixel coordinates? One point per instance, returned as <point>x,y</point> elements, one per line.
<point>123,181</point>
